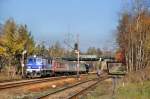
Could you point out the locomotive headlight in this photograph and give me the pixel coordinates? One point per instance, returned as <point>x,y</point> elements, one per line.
<point>29,67</point>
<point>39,67</point>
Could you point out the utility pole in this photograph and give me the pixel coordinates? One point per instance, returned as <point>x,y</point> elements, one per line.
<point>77,51</point>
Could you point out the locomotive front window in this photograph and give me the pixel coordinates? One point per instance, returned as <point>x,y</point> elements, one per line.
<point>31,60</point>
<point>39,60</point>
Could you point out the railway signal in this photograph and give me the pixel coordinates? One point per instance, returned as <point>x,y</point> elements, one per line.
<point>77,51</point>
<point>78,62</point>
<point>78,55</point>
<point>76,46</point>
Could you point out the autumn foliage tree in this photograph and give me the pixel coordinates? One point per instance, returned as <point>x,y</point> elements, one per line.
<point>14,39</point>
<point>119,56</point>
<point>133,36</point>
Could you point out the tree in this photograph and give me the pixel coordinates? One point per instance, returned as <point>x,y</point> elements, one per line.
<point>41,50</point>
<point>94,51</point>
<point>56,50</point>
<point>13,41</point>
<point>26,39</point>
<point>133,36</point>
<point>91,50</point>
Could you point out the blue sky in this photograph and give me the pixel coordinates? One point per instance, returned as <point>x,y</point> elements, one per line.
<point>50,20</point>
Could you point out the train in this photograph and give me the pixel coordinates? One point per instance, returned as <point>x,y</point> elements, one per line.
<point>104,61</point>
<point>42,67</point>
<point>113,65</point>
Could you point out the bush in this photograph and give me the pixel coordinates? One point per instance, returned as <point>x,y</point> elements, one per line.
<point>9,74</point>
<point>137,76</point>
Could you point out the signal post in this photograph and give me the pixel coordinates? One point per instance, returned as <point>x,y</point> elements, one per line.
<point>78,62</point>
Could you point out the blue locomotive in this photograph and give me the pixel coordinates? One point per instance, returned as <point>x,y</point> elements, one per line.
<point>39,67</point>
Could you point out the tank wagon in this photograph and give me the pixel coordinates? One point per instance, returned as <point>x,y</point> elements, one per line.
<point>40,67</point>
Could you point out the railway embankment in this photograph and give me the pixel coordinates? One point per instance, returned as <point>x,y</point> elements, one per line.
<point>34,90</point>
<point>134,85</point>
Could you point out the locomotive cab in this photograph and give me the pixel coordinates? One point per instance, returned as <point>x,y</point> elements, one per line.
<point>33,67</point>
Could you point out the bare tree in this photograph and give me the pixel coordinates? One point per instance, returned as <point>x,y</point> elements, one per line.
<point>133,34</point>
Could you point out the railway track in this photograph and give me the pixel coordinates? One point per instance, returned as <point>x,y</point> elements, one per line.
<point>28,82</point>
<point>73,91</point>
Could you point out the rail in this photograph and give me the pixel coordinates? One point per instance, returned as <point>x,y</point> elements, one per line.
<point>72,90</point>
<point>28,82</point>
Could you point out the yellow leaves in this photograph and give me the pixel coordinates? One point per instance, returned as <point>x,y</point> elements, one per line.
<point>2,50</point>
<point>15,38</point>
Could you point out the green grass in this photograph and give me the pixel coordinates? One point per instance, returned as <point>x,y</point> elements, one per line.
<point>134,91</point>
<point>129,91</point>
